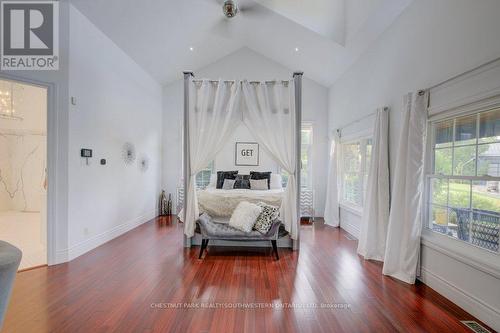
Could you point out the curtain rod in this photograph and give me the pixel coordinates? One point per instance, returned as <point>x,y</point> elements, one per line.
<point>191,73</point>
<point>464,73</point>
<point>251,82</point>
<point>359,119</point>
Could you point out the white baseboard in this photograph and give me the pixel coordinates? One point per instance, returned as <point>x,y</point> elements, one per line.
<point>104,237</point>
<point>61,257</point>
<point>350,228</point>
<point>471,304</point>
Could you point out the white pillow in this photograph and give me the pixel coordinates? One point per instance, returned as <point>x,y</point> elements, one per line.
<point>275,182</point>
<point>258,184</point>
<point>213,180</point>
<point>228,184</point>
<point>244,216</point>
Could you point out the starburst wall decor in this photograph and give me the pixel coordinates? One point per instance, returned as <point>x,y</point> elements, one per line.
<point>128,153</point>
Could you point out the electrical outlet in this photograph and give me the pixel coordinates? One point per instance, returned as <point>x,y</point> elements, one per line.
<point>86,231</point>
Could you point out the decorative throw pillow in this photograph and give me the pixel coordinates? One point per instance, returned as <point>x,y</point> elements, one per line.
<point>221,175</point>
<point>244,216</point>
<point>262,175</point>
<point>275,182</point>
<point>242,181</point>
<point>266,218</point>
<point>228,184</point>
<point>258,184</point>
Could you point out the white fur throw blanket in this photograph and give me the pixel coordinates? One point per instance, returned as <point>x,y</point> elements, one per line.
<point>221,203</point>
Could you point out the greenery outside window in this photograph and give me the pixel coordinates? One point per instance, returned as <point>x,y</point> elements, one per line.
<point>355,163</point>
<point>203,177</point>
<point>306,155</point>
<point>464,180</point>
<point>305,158</point>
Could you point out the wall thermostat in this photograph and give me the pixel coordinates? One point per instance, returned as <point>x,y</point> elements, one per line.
<point>86,153</point>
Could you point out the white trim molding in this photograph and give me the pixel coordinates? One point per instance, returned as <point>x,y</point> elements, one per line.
<point>350,220</point>
<point>102,238</point>
<point>478,308</point>
<point>480,259</point>
<point>356,210</point>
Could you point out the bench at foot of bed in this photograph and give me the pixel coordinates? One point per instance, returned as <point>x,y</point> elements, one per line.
<point>211,230</point>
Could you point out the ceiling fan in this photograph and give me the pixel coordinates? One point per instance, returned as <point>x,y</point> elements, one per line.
<point>232,8</point>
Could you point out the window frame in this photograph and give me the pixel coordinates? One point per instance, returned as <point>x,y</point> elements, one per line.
<point>210,167</point>
<point>310,163</point>
<point>363,172</point>
<point>310,159</point>
<point>449,245</point>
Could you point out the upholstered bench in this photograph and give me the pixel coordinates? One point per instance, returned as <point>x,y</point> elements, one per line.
<point>222,231</point>
<point>10,258</point>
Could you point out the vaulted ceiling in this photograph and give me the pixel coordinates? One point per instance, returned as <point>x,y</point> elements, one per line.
<point>321,37</point>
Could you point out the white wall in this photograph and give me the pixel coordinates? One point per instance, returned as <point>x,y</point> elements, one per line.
<point>246,64</point>
<point>357,13</point>
<point>116,102</point>
<point>430,42</point>
<point>225,159</point>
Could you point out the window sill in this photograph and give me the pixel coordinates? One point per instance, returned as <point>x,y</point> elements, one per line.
<point>357,210</point>
<point>483,260</point>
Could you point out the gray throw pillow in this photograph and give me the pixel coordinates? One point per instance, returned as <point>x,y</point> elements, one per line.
<point>258,184</point>
<point>266,218</point>
<point>262,175</point>
<point>228,184</point>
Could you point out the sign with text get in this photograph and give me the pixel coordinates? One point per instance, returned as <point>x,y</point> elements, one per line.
<point>247,153</point>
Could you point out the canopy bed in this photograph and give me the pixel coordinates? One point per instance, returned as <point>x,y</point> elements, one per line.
<point>272,112</point>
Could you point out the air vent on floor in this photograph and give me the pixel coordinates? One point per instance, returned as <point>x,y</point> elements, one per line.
<point>349,236</point>
<point>475,326</point>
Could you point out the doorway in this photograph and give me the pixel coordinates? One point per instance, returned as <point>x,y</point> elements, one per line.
<point>23,169</point>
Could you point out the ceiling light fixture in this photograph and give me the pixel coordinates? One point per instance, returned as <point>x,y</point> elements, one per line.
<point>191,48</point>
<point>296,49</point>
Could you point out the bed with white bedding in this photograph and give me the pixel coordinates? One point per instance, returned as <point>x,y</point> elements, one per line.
<point>221,203</point>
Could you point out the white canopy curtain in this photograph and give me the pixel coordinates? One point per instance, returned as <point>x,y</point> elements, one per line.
<point>375,217</point>
<point>405,223</point>
<point>212,116</point>
<point>331,214</point>
<point>271,111</point>
<point>270,116</point>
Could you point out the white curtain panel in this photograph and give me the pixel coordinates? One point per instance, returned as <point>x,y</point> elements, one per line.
<point>405,223</point>
<point>213,116</point>
<point>375,217</point>
<point>331,214</point>
<point>270,116</point>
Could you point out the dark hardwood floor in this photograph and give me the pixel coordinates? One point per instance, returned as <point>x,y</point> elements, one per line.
<point>127,284</point>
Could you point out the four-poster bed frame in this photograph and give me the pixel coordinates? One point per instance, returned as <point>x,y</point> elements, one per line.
<point>297,78</point>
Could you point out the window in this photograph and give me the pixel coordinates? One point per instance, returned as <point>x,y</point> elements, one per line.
<point>203,177</point>
<point>356,156</point>
<point>306,155</point>
<point>305,158</point>
<point>464,178</point>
